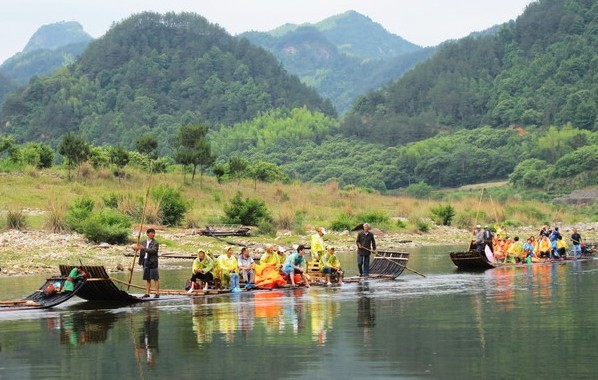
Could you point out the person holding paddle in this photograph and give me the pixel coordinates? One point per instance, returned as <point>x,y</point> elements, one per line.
<point>366,243</point>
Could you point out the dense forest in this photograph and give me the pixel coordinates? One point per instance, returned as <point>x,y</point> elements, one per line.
<point>152,73</point>
<point>342,56</point>
<point>539,70</point>
<point>518,105</point>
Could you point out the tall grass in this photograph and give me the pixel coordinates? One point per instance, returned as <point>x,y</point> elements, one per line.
<point>56,217</point>
<point>293,206</point>
<point>16,219</point>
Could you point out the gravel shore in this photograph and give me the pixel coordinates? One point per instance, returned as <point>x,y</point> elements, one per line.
<point>39,252</point>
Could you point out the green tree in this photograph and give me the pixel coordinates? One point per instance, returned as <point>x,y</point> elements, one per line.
<point>193,148</point>
<point>119,157</point>
<point>237,167</point>
<point>75,150</point>
<point>147,146</point>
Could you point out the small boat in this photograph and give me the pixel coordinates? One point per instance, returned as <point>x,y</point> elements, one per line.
<point>41,298</point>
<point>475,260</point>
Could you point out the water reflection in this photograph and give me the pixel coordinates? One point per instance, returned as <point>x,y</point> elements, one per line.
<point>366,311</point>
<point>80,328</point>
<point>148,335</point>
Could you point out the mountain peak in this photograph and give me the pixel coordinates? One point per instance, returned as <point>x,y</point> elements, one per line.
<point>53,36</point>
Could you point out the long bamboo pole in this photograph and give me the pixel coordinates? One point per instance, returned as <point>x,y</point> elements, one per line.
<point>149,185</point>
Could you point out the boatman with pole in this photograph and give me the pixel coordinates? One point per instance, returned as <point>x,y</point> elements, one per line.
<point>148,258</point>
<point>366,244</point>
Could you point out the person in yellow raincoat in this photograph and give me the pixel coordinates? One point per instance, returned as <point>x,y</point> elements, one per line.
<point>227,269</point>
<point>317,244</point>
<point>330,264</point>
<point>515,251</point>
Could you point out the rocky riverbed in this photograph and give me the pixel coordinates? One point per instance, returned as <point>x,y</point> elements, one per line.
<point>34,251</point>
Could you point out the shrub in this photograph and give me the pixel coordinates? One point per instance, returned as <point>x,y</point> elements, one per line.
<point>443,214</point>
<point>108,226</point>
<point>374,217</point>
<point>419,190</point>
<point>111,200</point>
<point>245,211</point>
<point>401,224</point>
<point>266,227</point>
<point>172,205</point>
<point>422,226</point>
<point>15,219</point>
<point>79,211</point>
<point>343,222</point>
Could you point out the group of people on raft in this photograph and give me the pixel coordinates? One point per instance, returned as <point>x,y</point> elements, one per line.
<point>276,267</point>
<point>550,245</point>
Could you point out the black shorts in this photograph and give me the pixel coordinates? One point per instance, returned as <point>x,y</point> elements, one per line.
<point>150,273</point>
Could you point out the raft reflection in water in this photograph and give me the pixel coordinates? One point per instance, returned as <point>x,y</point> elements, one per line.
<point>271,313</point>
<point>80,328</point>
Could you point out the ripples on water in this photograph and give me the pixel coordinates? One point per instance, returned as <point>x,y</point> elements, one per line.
<point>447,325</point>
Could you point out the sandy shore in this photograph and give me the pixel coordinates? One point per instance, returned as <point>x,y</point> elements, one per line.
<point>33,251</point>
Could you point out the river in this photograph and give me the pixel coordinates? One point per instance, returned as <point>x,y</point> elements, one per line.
<point>505,323</point>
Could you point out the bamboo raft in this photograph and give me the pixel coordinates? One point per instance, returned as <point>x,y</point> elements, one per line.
<point>40,299</point>
<point>477,261</point>
<point>385,265</point>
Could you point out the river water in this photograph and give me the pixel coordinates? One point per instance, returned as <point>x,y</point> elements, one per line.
<point>505,323</point>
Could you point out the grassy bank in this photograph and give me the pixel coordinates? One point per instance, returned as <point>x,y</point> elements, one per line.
<point>295,210</point>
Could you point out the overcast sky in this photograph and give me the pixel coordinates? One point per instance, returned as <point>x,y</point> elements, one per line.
<point>423,22</point>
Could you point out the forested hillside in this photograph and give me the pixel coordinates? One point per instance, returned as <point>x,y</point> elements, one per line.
<point>7,86</point>
<point>50,47</point>
<point>342,56</point>
<point>540,70</point>
<point>153,73</point>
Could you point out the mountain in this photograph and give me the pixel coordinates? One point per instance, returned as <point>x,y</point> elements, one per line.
<point>357,35</point>
<point>539,70</point>
<point>54,36</point>
<point>50,47</point>
<point>152,73</point>
<point>343,56</point>
<point>7,86</point>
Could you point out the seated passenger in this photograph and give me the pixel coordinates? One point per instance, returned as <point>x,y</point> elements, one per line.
<point>74,275</point>
<point>331,266</point>
<point>282,257</point>
<point>246,266</point>
<point>515,251</point>
<point>295,264</point>
<point>270,256</point>
<point>561,247</point>
<point>529,255</point>
<point>544,247</point>
<point>227,270</point>
<point>202,270</point>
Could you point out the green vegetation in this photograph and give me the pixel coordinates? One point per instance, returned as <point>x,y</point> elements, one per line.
<point>250,212</point>
<point>539,70</point>
<point>155,73</point>
<point>343,56</point>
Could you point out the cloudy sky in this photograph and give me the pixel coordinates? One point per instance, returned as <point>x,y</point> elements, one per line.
<point>424,22</point>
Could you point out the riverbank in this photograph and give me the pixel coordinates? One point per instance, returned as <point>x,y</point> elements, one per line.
<point>38,252</point>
